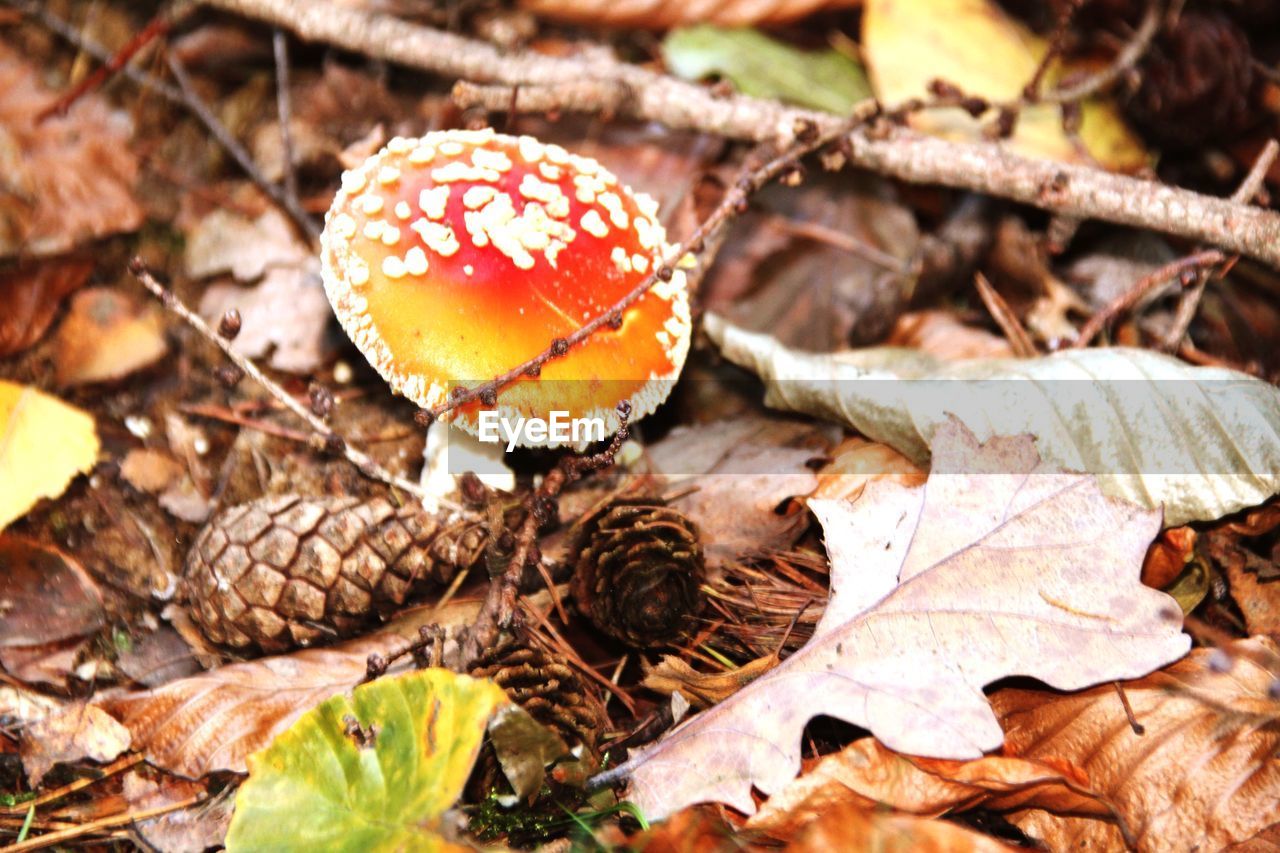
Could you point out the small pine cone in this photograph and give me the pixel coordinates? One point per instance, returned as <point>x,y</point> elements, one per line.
<point>638,569</point>
<point>288,571</point>
<point>549,690</point>
<point>1198,82</point>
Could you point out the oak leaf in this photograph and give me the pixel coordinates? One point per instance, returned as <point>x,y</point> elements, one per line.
<point>1203,774</point>
<point>999,565</point>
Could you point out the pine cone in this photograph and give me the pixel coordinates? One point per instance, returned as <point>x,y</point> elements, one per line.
<point>549,690</point>
<point>287,571</point>
<point>1198,82</point>
<point>638,568</point>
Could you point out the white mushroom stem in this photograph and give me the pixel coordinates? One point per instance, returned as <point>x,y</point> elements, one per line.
<point>449,452</point>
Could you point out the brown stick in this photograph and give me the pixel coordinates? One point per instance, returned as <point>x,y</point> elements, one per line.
<point>1078,191</point>
<point>363,462</point>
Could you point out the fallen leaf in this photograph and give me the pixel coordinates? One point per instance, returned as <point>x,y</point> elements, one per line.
<point>821,265</point>
<point>72,734</point>
<point>226,242</point>
<point>1202,775</point>
<point>1252,580</point>
<point>943,336</point>
<point>44,443</point>
<point>107,335</point>
<point>191,830</point>
<point>31,294</point>
<point>375,770</point>
<point>662,14</point>
<point>763,67</point>
<point>20,706</point>
<point>868,828</point>
<point>1168,556</point>
<point>45,595</point>
<point>150,471</point>
<point>857,462</point>
<point>48,663</point>
<point>976,46</point>
<point>1008,567</point>
<point>866,774</point>
<point>157,657</point>
<point>701,689</point>
<point>737,473</point>
<point>286,314</point>
<point>1201,441</point>
<point>215,720</point>
<point>67,179</point>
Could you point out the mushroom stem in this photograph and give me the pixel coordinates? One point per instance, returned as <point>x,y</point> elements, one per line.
<point>449,449</point>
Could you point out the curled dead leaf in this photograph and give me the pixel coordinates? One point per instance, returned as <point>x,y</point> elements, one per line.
<point>1202,774</point>
<point>702,689</point>
<point>31,294</point>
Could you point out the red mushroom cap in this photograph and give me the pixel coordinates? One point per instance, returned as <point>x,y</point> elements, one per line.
<point>455,257</point>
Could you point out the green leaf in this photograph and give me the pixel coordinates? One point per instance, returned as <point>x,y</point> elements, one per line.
<point>764,68</point>
<point>373,770</point>
<point>1201,442</point>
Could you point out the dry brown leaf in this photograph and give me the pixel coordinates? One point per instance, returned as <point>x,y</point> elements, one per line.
<point>942,335</point>
<point>1168,556</point>
<point>1252,580</point>
<point>664,14</point>
<point>867,775</point>
<point>1002,565</point>
<point>31,294</point>
<point>107,335</point>
<point>702,689</point>
<point>149,470</point>
<point>849,827</point>
<point>737,473</point>
<point>67,179</point>
<point>857,462</point>
<point>215,720</point>
<point>1203,775</point>
<point>72,734</point>
<point>45,595</point>
<point>44,444</point>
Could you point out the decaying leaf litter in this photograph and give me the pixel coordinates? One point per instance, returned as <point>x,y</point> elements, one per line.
<point>958,527</point>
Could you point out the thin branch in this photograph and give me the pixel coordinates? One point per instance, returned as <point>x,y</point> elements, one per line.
<point>192,100</point>
<point>1014,333</point>
<point>1249,188</point>
<point>734,201</point>
<point>986,168</point>
<point>1129,56</point>
<point>284,111</point>
<point>332,440</point>
<point>1192,265</point>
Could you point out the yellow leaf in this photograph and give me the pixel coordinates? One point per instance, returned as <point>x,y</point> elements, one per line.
<point>44,443</point>
<point>976,46</point>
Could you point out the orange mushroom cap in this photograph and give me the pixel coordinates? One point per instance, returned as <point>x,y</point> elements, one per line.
<point>452,258</point>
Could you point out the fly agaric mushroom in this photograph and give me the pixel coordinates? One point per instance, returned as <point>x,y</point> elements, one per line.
<point>452,258</point>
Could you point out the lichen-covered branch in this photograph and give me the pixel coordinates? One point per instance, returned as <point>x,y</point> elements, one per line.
<point>1076,191</point>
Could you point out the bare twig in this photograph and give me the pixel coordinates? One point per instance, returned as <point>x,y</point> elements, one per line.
<point>1249,188</point>
<point>284,111</point>
<point>1129,56</point>
<point>1191,265</point>
<point>331,439</point>
<point>1079,191</point>
<point>192,100</point>
<point>1019,340</point>
<point>734,201</point>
